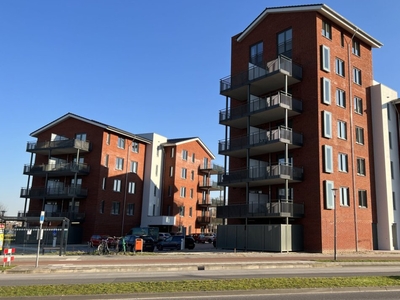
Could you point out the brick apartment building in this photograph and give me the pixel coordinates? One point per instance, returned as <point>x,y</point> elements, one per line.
<point>106,180</point>
<point>299,134</point>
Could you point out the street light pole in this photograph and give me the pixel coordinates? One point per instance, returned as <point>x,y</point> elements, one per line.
<point>334,226</point>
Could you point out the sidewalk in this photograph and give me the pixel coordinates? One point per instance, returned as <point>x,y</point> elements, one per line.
<point>202,258</point>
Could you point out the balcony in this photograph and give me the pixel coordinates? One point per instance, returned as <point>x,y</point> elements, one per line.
<point>72,216</point>
<point>260,176</point>
<point>210,185</point>
<point>203,220</point>
<point>261,142</point>
<point>211,169</point>
<point>58,147</point>
<point>54,193</point>
<point>262,110</point>
<point>262,80</point>
<point>56,170</point>
<point>276,209</point>
<point>204,203</point>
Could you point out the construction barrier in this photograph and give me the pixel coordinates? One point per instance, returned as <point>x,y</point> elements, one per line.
<point>8,257</point>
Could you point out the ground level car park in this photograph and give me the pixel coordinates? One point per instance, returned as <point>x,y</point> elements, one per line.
<point>148,243</point>
<point>175,243</point>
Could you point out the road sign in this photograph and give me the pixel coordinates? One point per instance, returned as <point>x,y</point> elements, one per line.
<point>41,217</point>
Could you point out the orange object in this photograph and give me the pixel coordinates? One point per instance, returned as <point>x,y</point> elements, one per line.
<point>139,244</point>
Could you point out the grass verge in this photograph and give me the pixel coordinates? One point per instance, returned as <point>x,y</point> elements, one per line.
<point>199,285</point>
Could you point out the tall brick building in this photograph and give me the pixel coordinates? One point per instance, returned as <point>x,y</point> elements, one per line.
<point>106,180</point>
<point>299,134</point>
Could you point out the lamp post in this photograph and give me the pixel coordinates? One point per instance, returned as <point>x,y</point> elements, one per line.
<point>334,225</point>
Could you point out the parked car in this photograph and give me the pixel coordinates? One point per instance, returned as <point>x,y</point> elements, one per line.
<point>130,241</point>
<point>163,235</point>
<point>206,238</point>
<point>174,243</point>
<point>95,240</point>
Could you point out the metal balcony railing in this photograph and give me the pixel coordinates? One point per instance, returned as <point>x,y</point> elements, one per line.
<point>261,173</point>
<point>57,168</point>
<point>72,216</point>
<point>203,220</point>
<point>59,192</point>
<point>279,134</point>
<point>261,104</point>
<point>280,63</point>
<point>59,144</point>
<point>277,208</point>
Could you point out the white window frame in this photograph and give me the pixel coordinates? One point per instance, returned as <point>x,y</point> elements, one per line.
<point>342,129</point>
<point>117,185</point>
<point>359,135</point>
<point>183,192</point>
<point>358,105</point>
<point>328,161</point>
<point>119,163</point>
<point>326,91</point>
<point>185,155</point>
<point>329,198</point>
<point>327,124</point>
<point>361,166</point>
<point>326,56</point>
<point>171,171</point>
<point>121,143</point>
<point>339,67</point>
<point>327,30</point>
<point>131,187</point>
<point>344,196</point>
<point>362,198</point>
<point>184,173</point>
<point>357,79</point>
<point>343,162</point>
<point>135,147</point>
<point>133,167</point>
<point>356,49</point>
<point>340,98</point>
<point>104,183</point>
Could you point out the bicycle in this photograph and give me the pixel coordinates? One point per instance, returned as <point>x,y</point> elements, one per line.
<point>103,249</point>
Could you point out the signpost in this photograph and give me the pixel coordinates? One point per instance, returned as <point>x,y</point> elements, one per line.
<point>39,236</point>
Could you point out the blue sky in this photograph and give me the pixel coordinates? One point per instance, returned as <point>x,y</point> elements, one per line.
<point>142,66</point>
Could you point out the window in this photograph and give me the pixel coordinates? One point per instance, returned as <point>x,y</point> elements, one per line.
<point>356,47</point>
<point>131,187</point>
<point>184,173</point>
<point>121,143</point>
<point>133,167</point>
<point>358,107</point>
<point>285,43</point>
<point>171,171</point>
<point>360,166</point>
<point>119,163</point>
<point>80,136</point>
<point>172,152</point>
<point>328,163</point>
<point>182,211</point>
<point>357,76</point>
<point>135,147</point>
<point>193,158</point>
<point>130,210</point>
<point>326,30</point>
<point>388,110</point>
<point>391,170</point>
<point>190,211</point>
<point>282,193</point>
<point>390,140</point>
<point>155,191</point>
<point>106,160</point>
<point>360,135</point>
<point>362,198</point>
<point>170,190</point>
<point>184,154</point>
<point>183,192</point>
<point>394,200</point>
<point>101,210</point>
<point>191,193</point>
<point>340,98</point>
<point>327,124</point>
<point>326,66</point>
<point>256,54</point>
<point>342,39</point>
<point>344,196</point>
<point>342,130</point>
<point>117,185</point>
<point>339,66</point>
<point>326,91</point>
<point>343,162</point>
<point>156,170</point>
<point>103,184</point>
<point>329,199</point>
<point>107,138</point>
<point>115,208</point>
<point>192,175</point>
